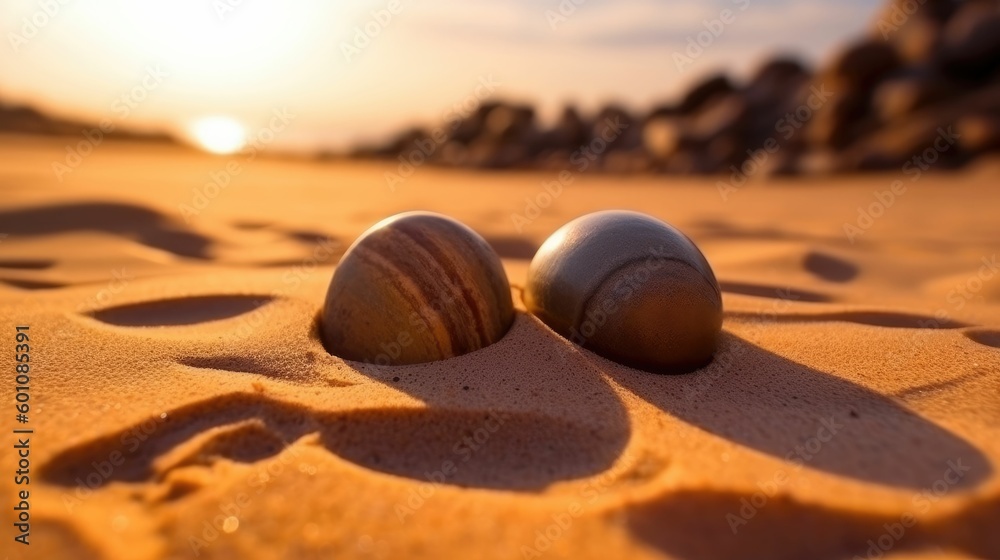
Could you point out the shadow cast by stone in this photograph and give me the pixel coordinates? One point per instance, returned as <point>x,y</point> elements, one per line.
<point>561,426</point>
<point>763,401</point>
<point>693,524</point>
<point>521,427</point>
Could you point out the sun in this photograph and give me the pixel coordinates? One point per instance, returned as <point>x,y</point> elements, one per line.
<point>219,135</point>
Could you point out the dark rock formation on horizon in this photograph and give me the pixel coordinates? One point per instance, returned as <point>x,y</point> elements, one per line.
<point>19,119</point>
<point>924,84</point>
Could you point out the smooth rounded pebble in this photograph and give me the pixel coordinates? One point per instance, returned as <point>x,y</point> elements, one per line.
<point>416,287</point>
<point>628,287</point>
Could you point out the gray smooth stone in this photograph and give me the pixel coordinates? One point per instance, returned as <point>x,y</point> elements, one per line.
<point>628,287</point>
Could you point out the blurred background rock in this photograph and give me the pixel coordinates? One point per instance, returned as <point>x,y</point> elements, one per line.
<point>927,69</point>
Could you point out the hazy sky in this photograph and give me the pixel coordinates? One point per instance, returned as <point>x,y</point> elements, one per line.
<point>177,61</point>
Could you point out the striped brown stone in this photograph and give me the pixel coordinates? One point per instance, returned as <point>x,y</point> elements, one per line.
<point>416,287</point>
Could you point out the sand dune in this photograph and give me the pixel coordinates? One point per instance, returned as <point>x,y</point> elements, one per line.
<point>184,406</point>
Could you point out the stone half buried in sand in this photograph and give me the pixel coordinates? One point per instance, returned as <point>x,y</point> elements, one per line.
<point>629,287</point>
<point>416,287</point>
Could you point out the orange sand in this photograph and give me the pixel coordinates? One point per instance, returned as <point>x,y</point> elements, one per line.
<point>187,354</point>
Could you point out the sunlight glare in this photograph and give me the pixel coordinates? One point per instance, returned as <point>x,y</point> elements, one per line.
<point>219,135</point>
